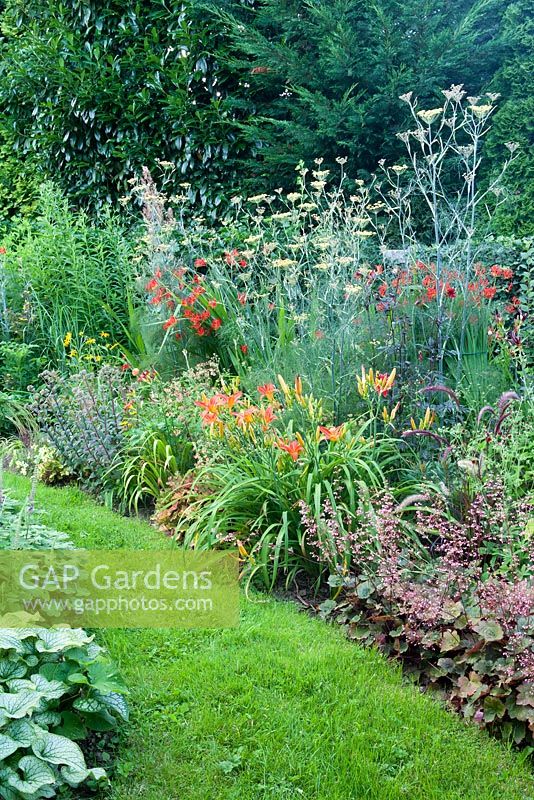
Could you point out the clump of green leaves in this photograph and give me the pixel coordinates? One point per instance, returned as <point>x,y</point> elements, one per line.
<point>93,92</point>
<point>22,529</point>
<point>55,687</point>
<point>61,274</point>
<point>82,416</point>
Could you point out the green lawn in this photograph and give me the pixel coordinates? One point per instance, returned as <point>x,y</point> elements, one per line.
<point>282,707</point>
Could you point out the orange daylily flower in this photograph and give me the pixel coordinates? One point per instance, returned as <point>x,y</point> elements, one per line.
<point>267,416</point>
<point>268,390</point>
<point>210,404</point>
<point>246,416</point>
<point>209,418</point>
<point>228,400</point>
<point>293,448</point>
<point>381,382</point>
<point>333,434</point>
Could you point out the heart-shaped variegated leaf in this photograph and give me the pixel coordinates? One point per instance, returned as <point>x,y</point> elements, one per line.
<point>10,669</point>
<point>58,750</point>
<point>7,746</point>
<point>21,730</point>
<point>52,690</point>
<point>115,702</point>
<point>20,704</point>
<point>55,640</point>
<point>35,776</point>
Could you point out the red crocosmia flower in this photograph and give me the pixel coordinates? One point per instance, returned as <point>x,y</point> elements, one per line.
<point>428,280</point>
<point>431,293</point>
<point>319,335</point>
<point>450,291</point>
<point>489,292</point>
<point>271,306</point>
<point>268,390</point>
<point>332,434</point>
<point>157,273</point>
<point>496,271</point>
<point>125,367</point>
<point>169,322</point>
<point>382,289</point>
<point>158,297</point>
<point>242,298</point>
<point>178,335</point>
<point>380,306</point>
<point>294,448</point>
<point>512,307</point>
<point>244,348</point>
<point>231,257</point>
<point>242,263</point>
<point>212,303</point>
<point>216,324</point>
<point>200,262</point>
<point>171,304</point>
<point>201,331</point>
<point>507,274</point>
<point>151,285</point>
<point>3,251</point>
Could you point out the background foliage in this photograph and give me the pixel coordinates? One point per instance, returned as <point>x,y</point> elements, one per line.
<point>91,92</point>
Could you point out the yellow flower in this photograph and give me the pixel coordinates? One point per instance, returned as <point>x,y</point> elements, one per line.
<point>104,335</point>
<point>425,423</point>
<point>430,115</point>
<point>389,416</point>
<point>68,339</point>
<point>73,353</point>
<point>481,111</point>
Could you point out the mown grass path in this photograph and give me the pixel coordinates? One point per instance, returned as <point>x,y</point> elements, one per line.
<point>281,708</point>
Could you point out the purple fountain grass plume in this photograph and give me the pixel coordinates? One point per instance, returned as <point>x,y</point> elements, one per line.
<point>505,399</point>
<point>498,424</point>
<point>483,411</point>
<point>421,432</point>
<point>438,387</point>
